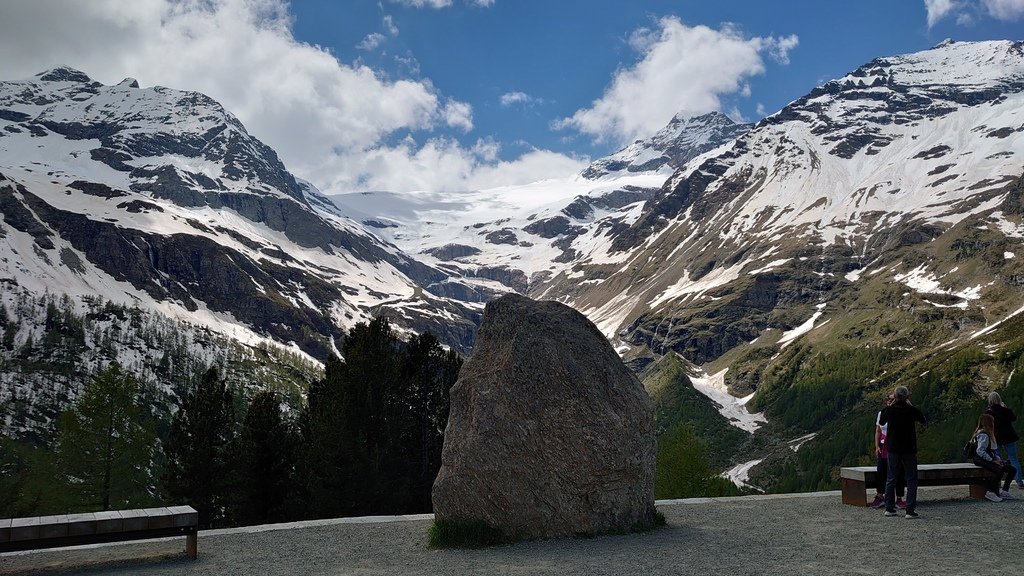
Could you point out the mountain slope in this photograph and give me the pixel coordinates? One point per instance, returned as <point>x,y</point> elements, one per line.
<point>683,139</point>
<point>161,197</point>
<point>817,199</point>
<point>516,237</point>
<point>867,235</point>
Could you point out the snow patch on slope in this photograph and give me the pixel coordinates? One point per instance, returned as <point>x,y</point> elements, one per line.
<point>790,335</point>
<point>733,408</point>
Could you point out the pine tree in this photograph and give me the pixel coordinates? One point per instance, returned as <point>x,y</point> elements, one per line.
<point>197,448</point>
<point>682,469</point>
<point>430,374</point>
<point>375,397</point>
<point>327,461</point>
<point>263,464</point>
<point>105,444</point>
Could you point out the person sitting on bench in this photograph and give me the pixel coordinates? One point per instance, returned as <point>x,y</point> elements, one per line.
<point>987,456</point>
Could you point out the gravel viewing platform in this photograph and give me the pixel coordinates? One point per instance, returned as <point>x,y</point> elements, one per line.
<point>758,535</point>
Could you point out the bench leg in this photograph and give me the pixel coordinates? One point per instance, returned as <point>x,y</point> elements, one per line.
<point>978,490</point>
<point>192,546</point>
<point>854,492</point>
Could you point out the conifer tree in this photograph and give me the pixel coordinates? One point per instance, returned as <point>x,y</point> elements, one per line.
<point>197,448</point>
<point>263,463</point>
<point>430,372</point>
<point>105,444</point>
<point>325,467</point>
<point>375,407</point>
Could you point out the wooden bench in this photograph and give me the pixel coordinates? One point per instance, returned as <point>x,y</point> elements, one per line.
<point>855,481</point>
<point>98,527</point>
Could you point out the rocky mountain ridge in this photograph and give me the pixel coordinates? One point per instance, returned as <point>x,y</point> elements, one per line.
<point>161,197</point>
<point>816,199</point>
<point>683,139</point>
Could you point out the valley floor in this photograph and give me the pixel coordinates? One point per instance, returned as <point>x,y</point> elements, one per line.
<point>763,535</point>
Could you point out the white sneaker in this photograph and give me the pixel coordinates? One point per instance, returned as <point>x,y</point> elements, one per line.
<point>1005,495</point>
<point>992,497</point>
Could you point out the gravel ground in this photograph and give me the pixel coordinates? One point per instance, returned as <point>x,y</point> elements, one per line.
<point>756,535</point>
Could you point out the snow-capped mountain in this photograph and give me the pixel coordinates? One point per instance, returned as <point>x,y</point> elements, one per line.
<point>513,237</point>
<point>673,146</point>
<point>160,198</point>
<point>861,182</point>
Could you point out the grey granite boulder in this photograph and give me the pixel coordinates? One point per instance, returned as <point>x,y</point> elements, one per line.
<point>549,433</point>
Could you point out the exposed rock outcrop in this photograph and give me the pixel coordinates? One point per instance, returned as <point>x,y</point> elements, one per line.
<point>549,433</point>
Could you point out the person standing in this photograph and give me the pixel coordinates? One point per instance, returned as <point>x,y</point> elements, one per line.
<point>1006,436</point>
<point>882,463</point>
<point>987,456</point>
<point>901,442</point>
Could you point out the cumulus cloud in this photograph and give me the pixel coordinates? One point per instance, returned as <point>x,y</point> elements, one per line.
<point>518,98</point>
<point>681,69</point>
<point>436,4</point>
<point>389,25</point>
<point>1006,10</point>
<point>968,11</point>
<point>329,121</point>
<point>372,41</point>
<point>444,164</point>
<point>938,9</point>
<point>425,3</point>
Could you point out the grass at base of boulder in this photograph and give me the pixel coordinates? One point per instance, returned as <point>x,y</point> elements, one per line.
<point>464,534</point>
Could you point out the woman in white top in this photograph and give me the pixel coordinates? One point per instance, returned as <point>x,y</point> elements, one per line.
<point>987,456</point>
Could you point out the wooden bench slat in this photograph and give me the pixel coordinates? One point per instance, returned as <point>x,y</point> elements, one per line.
<point>53,526</point>
<point>109,521</point>
<point>183,515</point>
<point>81,524</point>
<point>158,518</point>
<point>98,527</point>
<point>24,529</point>
<point>133,520</point>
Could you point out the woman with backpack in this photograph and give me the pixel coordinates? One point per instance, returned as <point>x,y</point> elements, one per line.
<point>1005,434</point>
<point>986,455</point>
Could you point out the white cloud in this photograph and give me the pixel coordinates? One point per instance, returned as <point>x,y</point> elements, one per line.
<point>372,41</point>
<point>459,115</point>
<point>760,110</point>
<point>967,11</point>
<point>443,164</point>
<point>681,69</point>
<point>389,25</point>
<point>512,98</point>
<point>329,121</point>
<point>938,9</point>
<point>436,4</point>
<point>779,48</point>
<point>425,3</point>
<point>1007,10</point>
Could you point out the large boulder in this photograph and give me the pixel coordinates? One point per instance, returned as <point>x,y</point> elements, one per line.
<point>549,433</point>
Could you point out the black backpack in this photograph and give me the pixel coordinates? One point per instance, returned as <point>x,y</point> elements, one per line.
<point>971,448</point>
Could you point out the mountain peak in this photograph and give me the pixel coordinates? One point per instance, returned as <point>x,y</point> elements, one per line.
<point>710,117</point>
<point>685,137</point>
<point>64,74</point>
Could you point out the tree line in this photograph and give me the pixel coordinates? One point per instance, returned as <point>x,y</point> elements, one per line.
<point>366,441</point>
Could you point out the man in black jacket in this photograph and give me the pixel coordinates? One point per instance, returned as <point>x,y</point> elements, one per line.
<point>901,442</point>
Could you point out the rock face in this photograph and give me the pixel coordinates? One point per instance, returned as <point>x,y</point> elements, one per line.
<point>549,433</point>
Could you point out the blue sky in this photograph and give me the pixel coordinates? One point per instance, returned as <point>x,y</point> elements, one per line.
<point>413,95</point>
<point>562,54</point>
